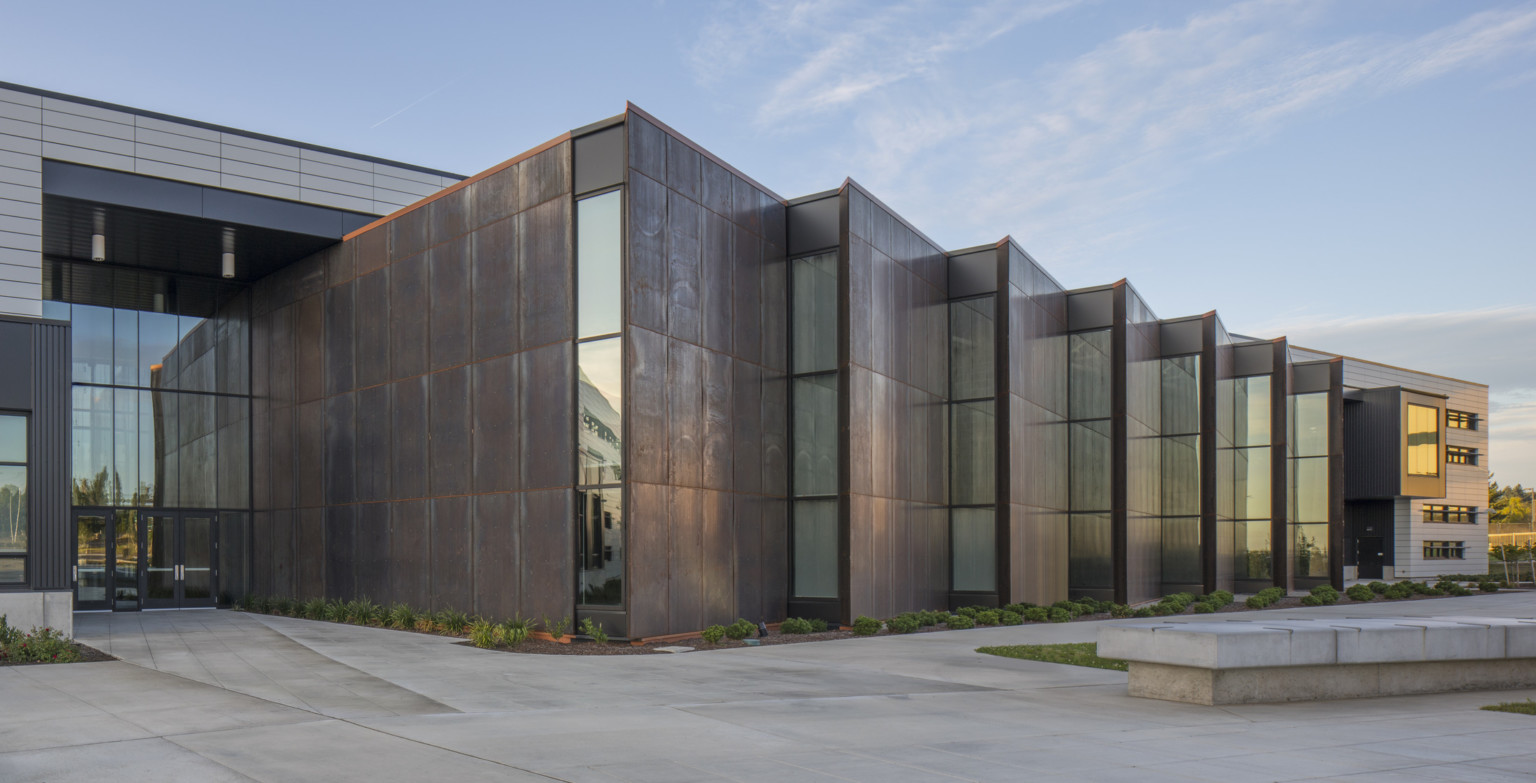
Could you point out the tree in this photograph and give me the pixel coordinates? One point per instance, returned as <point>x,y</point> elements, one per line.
<point>1508,505</point>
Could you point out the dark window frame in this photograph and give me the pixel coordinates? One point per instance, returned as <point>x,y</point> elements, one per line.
<point>1445,550</point>
<point>1460,455</point>
<point>1460,420</point>
<point>1453,515</point>
<point>26,465</point>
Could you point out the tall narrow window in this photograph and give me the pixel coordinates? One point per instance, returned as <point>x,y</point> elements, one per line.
<point>1423,440</point>
<point>1180,428</point>
<point>973,444</point>
<point>1089,539</point>
<point>814,412</point>
<point>599,401</point>
<point>1252,478</point>
<point>13,499</point>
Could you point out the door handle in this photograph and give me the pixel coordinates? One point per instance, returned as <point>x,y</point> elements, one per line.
<point>74,573</point>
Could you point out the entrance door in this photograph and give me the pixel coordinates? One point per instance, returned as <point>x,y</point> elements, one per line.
<point>178,560</point>
<point>1368,556</point>
<point>93,559</point>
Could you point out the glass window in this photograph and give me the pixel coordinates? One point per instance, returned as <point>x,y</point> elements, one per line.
<point>1089,552</point>
<point>13,439</point>
<point>1090,463</point>
<point>971,333</point>
<point>1310,478</point>
<point>91,445</point>
<point>600,546</point>
<point>1309,421</point>
<point>1181,395</point>
<point>1181,475</point>
<point>1423,440</point>
<point>1458,515</point>
<point>1458,455</point>
<point>814,322</point>
<point>13,509</point>
<point>1088,375</point>
<point>974,537</point>
<point>600,400</point>
<point>91,346</point>
<point>1251,396</point>
<point>1253,482</point>
<point>1445,550</point>
<point>816,549</point>
<point>1253,550</point>
<point>1310,550</point>
<point>1460,420</point>
<point>973,454</point>
<point>599,261</point>
<point>1181,550</point>
<point>815,412</point>
<point>158,335</point>
<point>125,446</point>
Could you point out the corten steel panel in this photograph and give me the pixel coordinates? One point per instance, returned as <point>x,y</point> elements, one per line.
<point>449,432</point>
<point>261,553</point>
<point>374,576</point>
<point>746,295</point>
<point>717,188</point>
<point>309,551</point>
<point>647,447</point>
<point>494,293</point>
<point>546,176</point>
<point>683,169</point>
<point>746,423</point>
<point>340,322</point>
<point>452,561</point>
<point>261,358</point>
<point>545,449</point>
<point>715,292</point>
<point>448,217</point>
<point>408,439</point>
<point>859,595</point>
<point>685,227</point>
<point>283,554</point>
<point>814,225</point>
<point>261,454</point>
<point>410,548</point>
<point>408,316</point>
<point>884,533</point>
<point>646,518</point>
<point>497,197</point>
<point>775,308</point>
<point>340,449</point>
<point>340,554</point>
<point>647,148</point>
<point>371,308</point>
<point>647,293</point>
<point>449,326</point>
<point>281,478</point>
<point>685,413</point>
<point>309,454</point>
<point>748,205</point>
<point>497,561</point>
<point>747,557</point>
<point>859,307</point>
<point>281,355</point>
<point>408,235</point>
<point>340,263</point>
<point>685,535</point>
<point>496,424</point>
<point>716,472</point>
<point>775,556</point>
<point>308,277</point>
<point>372,251</point>
<point>544,261</point>
<point>775,435</point>
<point>548,568</point>
<point>719,551</point>
<point>373,425</point>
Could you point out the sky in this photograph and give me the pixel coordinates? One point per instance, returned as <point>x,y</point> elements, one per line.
<point>1357,175</point>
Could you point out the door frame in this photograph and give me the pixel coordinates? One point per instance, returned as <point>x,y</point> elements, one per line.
<point>108,517</point>
<point>175,517</point>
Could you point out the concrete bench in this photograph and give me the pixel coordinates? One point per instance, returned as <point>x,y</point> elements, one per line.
<point>1257,661</point>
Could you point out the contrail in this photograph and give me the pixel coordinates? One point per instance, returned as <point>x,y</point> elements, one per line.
<point>413,103</point>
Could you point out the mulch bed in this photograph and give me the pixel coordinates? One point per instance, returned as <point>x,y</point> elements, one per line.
<point>88,654</point>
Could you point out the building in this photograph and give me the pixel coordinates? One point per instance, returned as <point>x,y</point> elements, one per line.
<point>615,378</point>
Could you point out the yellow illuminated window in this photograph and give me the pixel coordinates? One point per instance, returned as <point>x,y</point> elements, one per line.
<point>1423,440</point>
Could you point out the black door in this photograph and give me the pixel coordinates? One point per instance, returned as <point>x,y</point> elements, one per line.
<point>1368,556</point>
<point>178,559</point>
<point>93,559</point>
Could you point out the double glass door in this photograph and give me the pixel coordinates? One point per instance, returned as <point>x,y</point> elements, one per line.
<point>130,559</point>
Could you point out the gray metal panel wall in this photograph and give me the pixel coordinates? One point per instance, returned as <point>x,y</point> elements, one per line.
<point>414,431</point>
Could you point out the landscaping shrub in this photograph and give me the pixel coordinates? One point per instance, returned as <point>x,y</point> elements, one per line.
<point>1220,598</point>
<point>280,606</point>
<point>1360,593</point>
<point>968,611</point>
<point>482,634</point>
<point>1037,614</point>
<point>1071,607</point>
<point>988,617</point>
<point>41,645</point>
<point>401,617</point>
<point>594,631</point>
<point>957,622</point>
<point>1010,618</point>
<point>1378,587</point>
<point>1145,611</point>
<point>557,628</point>
<point>1397,592</point>
<point>1019,608</point>
<point>1119,610</point>
<point>713,634</point>
<point>1205,608</point>
<point>1059,615</point>
<point>865,626</point>
<point>740,629</point>
<point>903,623</point>
<point>818,625</point>
<point>929,618</point>
<point>313,609</point>
<point>1265,597</point>
<point>450,622</point>
<point>795,625</point>
<point>1311,600</point>
<point>515,631</point>
<point>1325,594</point>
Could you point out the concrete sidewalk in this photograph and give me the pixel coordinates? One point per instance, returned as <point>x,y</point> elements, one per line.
<point>227,696</point>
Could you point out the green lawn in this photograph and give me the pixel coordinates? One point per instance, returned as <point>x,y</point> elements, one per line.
<point>1526,707</point>
<point>1084,654</point>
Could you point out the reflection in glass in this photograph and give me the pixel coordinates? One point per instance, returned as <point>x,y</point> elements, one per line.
<point>13,509</point>
<point>815,549</point>
<point>1089,552</point>
<point>1089,458</point>
<point>125,571</point>
<point>1423,440</point>
<point>197,558</point>
<point>91,453</point>
<point>1252,401</point>
<point>1088,379</point>
<point>90,330</point>
<point>600,546</point>
<point>971,354</point>
<point>90,558</point>
<point>231,552</point>
<point>125,347</point>
<point>13,438</point>
<point>599,259</point>
<point>814,298</point>
<point>973,454</point>
<point>125,447</point>
<point>600,400</point>
<point>974,538</point>
<point>1252,553</point>
<point>1309,421</point>
<point>815,415</point>
<point>1181,550</point>
<point>1181,475</point>
<point>1309,478</point>
<point>1310,548</point>
<point>1252,481</point>
<point>158,334</point>
<point>1181,395</point>
<point>159,558</point>
<point>13,570</point>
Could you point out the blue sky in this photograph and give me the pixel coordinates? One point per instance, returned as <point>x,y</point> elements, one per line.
<point>1376,159</point>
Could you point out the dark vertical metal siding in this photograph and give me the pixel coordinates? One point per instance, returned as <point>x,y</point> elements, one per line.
<point>1279,468</point>
<point>1336,473</point>
<point>1208,551</point>
<point>1119,471</point>
<point>52,549</point>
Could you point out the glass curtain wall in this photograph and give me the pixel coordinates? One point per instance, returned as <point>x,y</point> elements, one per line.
<point>13,499</point>
<point>1181,470</point>
<point>599,400</point>
<point>973,445</point>
<point>1251,478</point>
<point>813,411</point>
<point>1090,563</point>
<point>1308,499</point>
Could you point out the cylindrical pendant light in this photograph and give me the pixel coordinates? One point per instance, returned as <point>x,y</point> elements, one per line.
<point>98,247</point>
<point>229,253</point>
<point>229,265</point>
